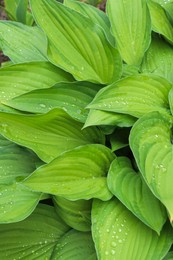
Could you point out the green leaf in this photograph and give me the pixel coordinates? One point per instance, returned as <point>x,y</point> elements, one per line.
<point>77,214</point>
<point>99,117</point>
<point>34,237</point>
<point>133,192</point>
<point>30,47</point>
<point>48,135</point>
<point>135,95</point>
<point>96,16</point>
<point>76,44</point>
<point>22,78</point>
<point>131,27</point>
<point>21,11</point>
<point>129,70</point>
<point>160,21</point>
<point>150,142</point>
<point>169,256</point>
<point>118,234</point>
<point>158,59</point>
<point>76,174</point>
<point>119,138</point>
<point>72,97</point>
<point>170,96</point>
<point>75,245</point>
<point>16,202</point>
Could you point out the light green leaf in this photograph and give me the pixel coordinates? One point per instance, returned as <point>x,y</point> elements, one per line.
<point>134,95</point>
<point>77,214</point>
<point>160,21</point>
<point>158,59</point>
<point>72,97</point>
<point>76,174</point>
<point>18,79</point>
<point>48,135</point>
<point>129,70</point>
<point>21,11</point>
<point>99,117</point>
<point>34,237</point>
<point>16,202</point>
<point>96,16</point>
<point>75,245</point>
<point>169,256</point>
<point>150,142</point>
<point>133,192</point>
<point>131,27</point>
<point>118,234</point>
<point>76,44</point>
<point>31,46</point>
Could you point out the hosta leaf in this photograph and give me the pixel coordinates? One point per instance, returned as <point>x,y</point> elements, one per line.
<point>118,234</point>
<point>134,95</point>
<point>133,192</point>
<point>31,46</point>
<point>16,202</point>
<point>170,96</point>
<point>99,117</point>
<point>76,174</point>
<point>48,135</point>
<point>131,27</point>
<point>77,214</point>
<point>96,16</point>
<point>77,44</point>
<point>160,21</point>
<point>169,256</point>
<point>34,237</point>
<point>72,97</point>
<point>18,79</point>
<point>150,141</point>
<point>75,245</point>
<point>158,59</point>
<point>129,70</point>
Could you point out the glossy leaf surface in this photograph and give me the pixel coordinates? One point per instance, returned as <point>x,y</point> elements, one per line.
<point>32,44</point>
<point>76,174</point>
<point>86,54</point>
<point>134,95</point>
<point>48,135</point>
<point>133,192</point>
<point>118,234</point>
<point>150,141</point>
<point>131,26</point>
<point>34,237</point>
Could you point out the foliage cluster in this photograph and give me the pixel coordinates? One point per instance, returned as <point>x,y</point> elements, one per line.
<point>86,115</point>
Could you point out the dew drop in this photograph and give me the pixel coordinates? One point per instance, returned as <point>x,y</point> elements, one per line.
<point>113,252</point>
<point>42,105</point>
<point>114,244</point>
<point>106,253</point>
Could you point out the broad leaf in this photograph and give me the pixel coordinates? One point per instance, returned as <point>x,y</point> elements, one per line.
<point>133,192</point>
<point>118,234</point>
<point>150,141</point>
<point>169,256</point>
<point>96,16</point>
<point>34,237</point>
<point>131,27</point>
<point>160,21</point>
<point>158,59</point>
<point>134,95</point>
<point>75,245</point>
<point>32,44</point>
<point>76,174</point>
<point>16,202</point>
<point>18,79</point>
<point>77,44</point>
<point>48,135</point>
<point>129,70</point>
<point>170,96</point>
<point>99,117</point>
<point>77,214</point>
<point>72,97</point>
